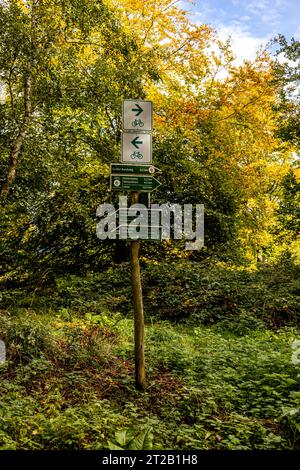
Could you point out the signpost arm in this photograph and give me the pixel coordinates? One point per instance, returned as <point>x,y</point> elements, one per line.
<point>140,376</point>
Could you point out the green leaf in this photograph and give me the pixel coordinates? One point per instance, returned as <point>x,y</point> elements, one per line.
<point>113,446</point>
<point>144,441</point>
<point>121,437</point>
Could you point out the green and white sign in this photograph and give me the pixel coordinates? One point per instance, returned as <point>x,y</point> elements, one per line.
<point>133,183</point>
<point>137,115</point>
<point>136,147</point>
<point>127,169</point>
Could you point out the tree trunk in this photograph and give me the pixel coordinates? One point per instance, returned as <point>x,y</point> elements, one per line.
<point>121,251</point>
<point>16,149</point>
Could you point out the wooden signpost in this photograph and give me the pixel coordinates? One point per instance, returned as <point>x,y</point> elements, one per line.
<point>134,174</point>
<point>138,307</point>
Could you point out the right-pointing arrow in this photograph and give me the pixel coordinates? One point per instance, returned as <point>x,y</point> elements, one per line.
<point>155,183</point>
<point>138,109</point>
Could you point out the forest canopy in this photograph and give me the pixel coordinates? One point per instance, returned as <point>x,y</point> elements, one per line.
<point>225,135</point>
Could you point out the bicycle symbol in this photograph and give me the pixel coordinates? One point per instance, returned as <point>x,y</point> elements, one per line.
<point>136,155</point>
<point>137,122</point>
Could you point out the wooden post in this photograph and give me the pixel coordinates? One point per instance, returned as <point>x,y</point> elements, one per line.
<point>140,376</point>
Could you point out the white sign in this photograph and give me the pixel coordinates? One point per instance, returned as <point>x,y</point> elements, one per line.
<point>136,148</point>
<point>137,115</point>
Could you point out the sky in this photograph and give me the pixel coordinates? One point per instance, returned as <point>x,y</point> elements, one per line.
<point>249,23</point>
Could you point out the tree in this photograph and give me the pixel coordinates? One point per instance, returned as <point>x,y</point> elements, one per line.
<point>215,127</point>
<point>54,183</point>
<point>289,207</point>
<point>287,73</point>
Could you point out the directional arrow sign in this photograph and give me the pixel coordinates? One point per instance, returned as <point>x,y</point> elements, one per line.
<point>136,142</point>
<point>133,183</point>
<point>136,148</point>
<point>127,169</point>
<point>138,110</point>
<point>137,115</point>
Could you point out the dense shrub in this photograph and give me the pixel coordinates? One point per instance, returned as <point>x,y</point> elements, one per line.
<point>186,291</point>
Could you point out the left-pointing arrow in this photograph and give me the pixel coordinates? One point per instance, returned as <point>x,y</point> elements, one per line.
<point>138,110</point>
<point>136,142</point>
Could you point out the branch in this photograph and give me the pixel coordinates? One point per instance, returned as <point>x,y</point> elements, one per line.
<point>243,107</point>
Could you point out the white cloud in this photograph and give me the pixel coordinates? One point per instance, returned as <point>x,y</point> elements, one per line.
<point>251,25</point>
<point>244,45</point>
<point>268,11</point>
<point>282,59</point>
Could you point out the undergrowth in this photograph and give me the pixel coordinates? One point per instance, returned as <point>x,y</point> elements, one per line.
<point>68,383</point>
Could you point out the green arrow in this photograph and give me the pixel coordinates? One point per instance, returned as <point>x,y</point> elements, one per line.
<point>138,109</point>
<point>155,183</point>
<point>136,142</point>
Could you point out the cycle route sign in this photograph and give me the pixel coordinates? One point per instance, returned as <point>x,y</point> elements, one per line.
<point>135,171</point>
<point>127,169</point>
<point>137,115</point>
<point>144,184</point>
<point>136,147</point>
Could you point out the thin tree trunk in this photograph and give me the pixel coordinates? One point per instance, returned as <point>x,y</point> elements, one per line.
<point>16,149</point>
